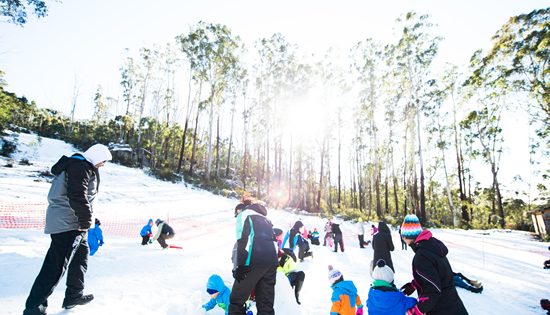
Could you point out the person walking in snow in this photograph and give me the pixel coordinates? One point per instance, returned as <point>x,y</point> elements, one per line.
<point>345,299</point>
<point>256,260</point>
<point>382,244</point>
<point>219,294</point>
<point>295,239</point>
<point>164,232</point>
<point>432,272</point>
<point>287,265</point>
<point>95,237</point>
<point>68,218</point>
<point>384,298</point>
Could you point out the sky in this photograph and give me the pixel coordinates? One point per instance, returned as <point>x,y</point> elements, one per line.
<point>127,278</point>
<point>83,41</point>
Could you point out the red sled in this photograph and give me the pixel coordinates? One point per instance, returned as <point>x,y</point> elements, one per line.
<point>175,246</point>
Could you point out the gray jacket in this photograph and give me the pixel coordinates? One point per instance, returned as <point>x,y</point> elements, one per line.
<point>70,198</point>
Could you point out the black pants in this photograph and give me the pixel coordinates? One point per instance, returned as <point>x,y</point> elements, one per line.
<point>315,241</point>
<point>361,238</point>
<point>54,266</point>
<point>262,280</point>
<point>338,240</point>
<point>145,239</point>
<point>162,239</point>
<point>403,245</point>
<point>303,251</point>
<point>296,279</point>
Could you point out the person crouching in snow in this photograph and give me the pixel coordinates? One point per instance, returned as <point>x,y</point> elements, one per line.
<point>287,265</point>
<point>165,232</point>
<point>432,273</point>
<point>384,298</point>
<point>219,294</point>
<point>146,233</point>
<point>95,237</point>
<point>345,300</point>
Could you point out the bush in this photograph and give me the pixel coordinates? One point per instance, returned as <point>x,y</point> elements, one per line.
<point>8,148</point>
<point>166,174</point>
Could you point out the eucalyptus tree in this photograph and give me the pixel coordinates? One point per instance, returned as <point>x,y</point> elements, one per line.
<point>521,55</point>
<point>15,11</point>
<point>483,125</point>
<point>129,71</point>
<point>415,51</point>
<point>367,56</point>
<point>276,59</point>
<point>100,107</point>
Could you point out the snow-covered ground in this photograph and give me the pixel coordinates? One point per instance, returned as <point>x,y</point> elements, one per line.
<point>127,278</point>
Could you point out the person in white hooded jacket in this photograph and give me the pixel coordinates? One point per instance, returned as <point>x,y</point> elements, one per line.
<point>68,218</point>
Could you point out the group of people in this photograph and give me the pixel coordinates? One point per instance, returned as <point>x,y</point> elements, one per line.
<point>256,257</point>
<point>164,232</point>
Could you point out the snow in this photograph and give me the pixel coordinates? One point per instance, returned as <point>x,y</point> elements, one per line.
<point>127,278</point>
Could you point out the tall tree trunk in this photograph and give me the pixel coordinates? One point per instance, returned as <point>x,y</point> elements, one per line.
<point>210,132</point>
<point>501,219</point>
<point>230,140</point>
<point>194,150</point>
<point>339,171</point>
<point>421,162</point>
<point>289,202</point>
<point>218,146</point>
<point>318,206</point>
<point>187,114</point>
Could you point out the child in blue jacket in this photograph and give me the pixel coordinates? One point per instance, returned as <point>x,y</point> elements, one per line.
<point>219,294</point>
<point>384,298</point>
<point>95,237</point>
<point>146,232</point>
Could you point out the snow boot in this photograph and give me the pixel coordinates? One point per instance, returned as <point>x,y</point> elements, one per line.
<point>40,310</point>
<point>83,300</point>
<point>475,283</point>
<point>545,304</point>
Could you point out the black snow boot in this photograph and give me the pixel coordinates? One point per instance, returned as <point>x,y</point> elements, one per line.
<point>85,299</point>
<point>40,310</point>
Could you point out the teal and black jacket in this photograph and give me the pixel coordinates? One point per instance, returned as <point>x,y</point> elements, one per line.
<point>256,245</point>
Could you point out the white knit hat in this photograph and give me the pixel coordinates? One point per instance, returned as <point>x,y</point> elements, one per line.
<point>333,275</point>
<point>382,272</point>
<point>97,153</point>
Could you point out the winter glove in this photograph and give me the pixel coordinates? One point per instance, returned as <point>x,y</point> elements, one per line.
<point>101,243</point>
<point>240,273</point>
<point>414,311</point>
<point>359,311</point>
<point>408,289</point>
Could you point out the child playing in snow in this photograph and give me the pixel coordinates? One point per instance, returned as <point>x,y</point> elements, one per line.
<point>219,294</point>
<point>287,264</point>
<point>461,281</point>
<point>146,232</point>
<point>345,300</point>
<point>314,237</point>
<point>384,297</point>
<point>95,237</point>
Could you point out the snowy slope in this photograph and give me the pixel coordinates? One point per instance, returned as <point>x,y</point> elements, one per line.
<point>127,278</point>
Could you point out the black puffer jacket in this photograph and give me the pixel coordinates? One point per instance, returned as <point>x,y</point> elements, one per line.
<point>433,278</point>
<point>382,245</point>
<point>255,238</point>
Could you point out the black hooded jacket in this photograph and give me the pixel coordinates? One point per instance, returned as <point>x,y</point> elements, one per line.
<point>255,238</point>
<point>433,278</point>
<point>382,245</point>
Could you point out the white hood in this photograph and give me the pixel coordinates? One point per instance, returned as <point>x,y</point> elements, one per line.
<point>97,154</point>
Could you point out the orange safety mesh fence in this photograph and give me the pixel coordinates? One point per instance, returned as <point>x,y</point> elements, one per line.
<point>33,216</point>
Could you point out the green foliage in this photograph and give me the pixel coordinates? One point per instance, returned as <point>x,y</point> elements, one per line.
<point>16,10</point>
<point>8,147</point>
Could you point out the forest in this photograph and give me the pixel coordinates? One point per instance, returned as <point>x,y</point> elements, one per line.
<point>378,132</point>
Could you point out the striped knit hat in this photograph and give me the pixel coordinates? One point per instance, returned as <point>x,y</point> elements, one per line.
<point>411,227</point>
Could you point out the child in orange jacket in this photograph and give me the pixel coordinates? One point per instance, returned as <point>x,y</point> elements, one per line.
<point>345,300</point>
